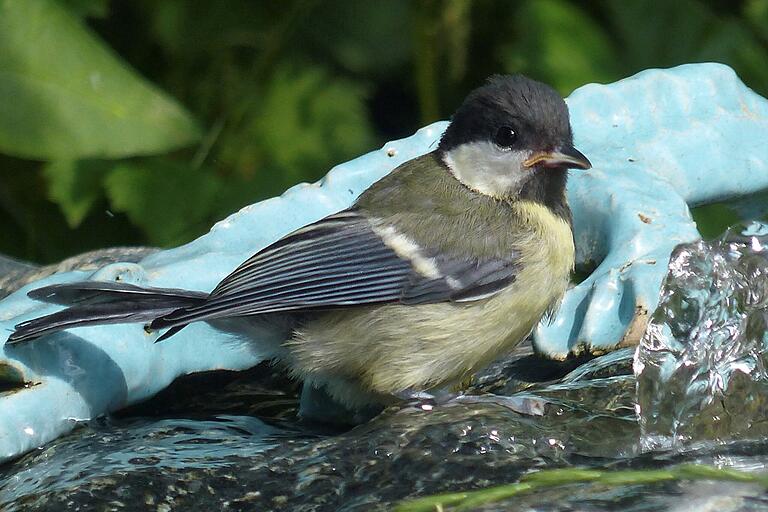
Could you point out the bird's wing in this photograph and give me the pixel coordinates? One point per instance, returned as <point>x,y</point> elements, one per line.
<point>344,260</point>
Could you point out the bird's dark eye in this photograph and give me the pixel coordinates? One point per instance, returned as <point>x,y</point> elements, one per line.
<point>505,137</point>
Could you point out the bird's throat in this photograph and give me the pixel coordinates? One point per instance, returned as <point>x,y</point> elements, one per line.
<point>547,188</point>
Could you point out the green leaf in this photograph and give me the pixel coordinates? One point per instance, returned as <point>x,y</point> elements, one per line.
<point>34,228</point>
<point>560,44</point>
<point>172,203</point>
<point>75,186</point>
<point>690,31</point>
<point>88,8</point>
<point>67,96</point>
<point>548,478</point>
<point>364,37</point>
<point>303,123</point>
<point>756,14</point>
<point>320,119</point>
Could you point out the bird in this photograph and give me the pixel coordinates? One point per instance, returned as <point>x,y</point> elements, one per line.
<point>436,270</point>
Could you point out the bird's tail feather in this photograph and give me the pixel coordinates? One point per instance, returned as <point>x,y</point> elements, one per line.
<point>93,292</point>
<point>99,303</point>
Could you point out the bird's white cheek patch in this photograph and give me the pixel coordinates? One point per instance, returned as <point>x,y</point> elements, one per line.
<point>407,249</point>
<point>483,167</point>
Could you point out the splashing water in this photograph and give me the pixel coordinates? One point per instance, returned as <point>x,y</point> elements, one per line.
<point>701,366</point>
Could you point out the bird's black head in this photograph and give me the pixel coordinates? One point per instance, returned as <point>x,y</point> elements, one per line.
<point>511,138</point>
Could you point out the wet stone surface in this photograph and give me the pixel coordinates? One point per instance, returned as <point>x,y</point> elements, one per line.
<point>232,441</point>
<point>239,461</point>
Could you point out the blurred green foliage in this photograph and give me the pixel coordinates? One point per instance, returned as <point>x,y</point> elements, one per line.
<point>143,122</point>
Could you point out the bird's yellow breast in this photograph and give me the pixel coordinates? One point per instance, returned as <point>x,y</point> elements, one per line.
<point>551,249</point>
<point>394,347</point>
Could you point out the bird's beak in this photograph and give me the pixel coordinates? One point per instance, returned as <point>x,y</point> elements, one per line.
<point>566,157</point>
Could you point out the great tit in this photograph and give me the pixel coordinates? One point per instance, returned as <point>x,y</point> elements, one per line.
<point>437,269</point>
